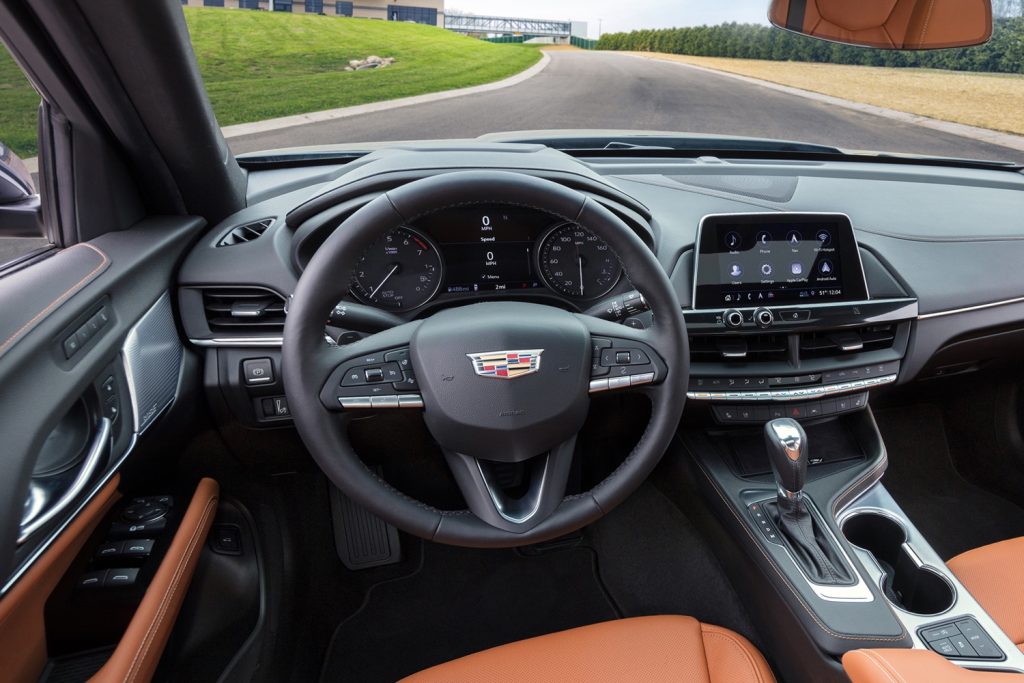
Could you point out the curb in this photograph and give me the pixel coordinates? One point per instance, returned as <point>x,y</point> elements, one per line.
<point>268,125</point>
<point>992,137</point>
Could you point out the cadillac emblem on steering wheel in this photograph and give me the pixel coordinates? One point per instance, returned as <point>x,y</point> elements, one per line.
<point>506,364</point>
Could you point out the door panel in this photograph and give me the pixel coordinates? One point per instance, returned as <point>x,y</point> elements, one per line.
<point>105,287</point>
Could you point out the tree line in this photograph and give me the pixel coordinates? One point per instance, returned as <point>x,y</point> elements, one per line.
<point>1003,54</point>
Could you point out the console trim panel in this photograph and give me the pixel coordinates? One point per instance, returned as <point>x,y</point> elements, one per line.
<point>792,394</point>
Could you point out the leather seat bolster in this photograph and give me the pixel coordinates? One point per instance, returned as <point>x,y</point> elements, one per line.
<point>907,666</point>
<point>638,649</point>
<point>992,574</point>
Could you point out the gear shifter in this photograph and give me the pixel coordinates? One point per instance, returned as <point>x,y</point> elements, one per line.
<point>787,449</point>
<point>811,547</point>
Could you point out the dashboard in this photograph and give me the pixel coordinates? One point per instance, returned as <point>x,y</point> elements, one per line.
<point>798,280</point>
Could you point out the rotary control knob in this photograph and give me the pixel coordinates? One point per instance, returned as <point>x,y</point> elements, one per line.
<point>764,318</point>
<point>732,318</point>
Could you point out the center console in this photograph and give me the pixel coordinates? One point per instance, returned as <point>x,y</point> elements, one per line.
<point>792,324</point>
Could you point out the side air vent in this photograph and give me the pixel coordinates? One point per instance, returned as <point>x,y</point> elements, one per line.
<point>751,348</point>
<point>852,340</point>
<point>243,310</point>
<point>246,233</point>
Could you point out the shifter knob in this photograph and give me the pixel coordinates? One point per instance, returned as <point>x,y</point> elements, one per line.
<point>786,441</point>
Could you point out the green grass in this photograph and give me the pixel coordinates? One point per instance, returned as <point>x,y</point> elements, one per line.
<point>19,108</point>
<point>260,65</point>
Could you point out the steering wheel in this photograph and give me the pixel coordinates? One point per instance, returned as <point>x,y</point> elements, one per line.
<point>498,382</point>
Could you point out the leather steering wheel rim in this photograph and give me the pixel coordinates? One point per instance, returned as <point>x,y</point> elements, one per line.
<point>307,360</point>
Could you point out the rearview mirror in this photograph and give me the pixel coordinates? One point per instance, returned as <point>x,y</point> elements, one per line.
<point>888,24</point>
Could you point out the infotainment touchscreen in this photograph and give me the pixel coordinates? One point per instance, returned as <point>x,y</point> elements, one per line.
<point>777,259</point>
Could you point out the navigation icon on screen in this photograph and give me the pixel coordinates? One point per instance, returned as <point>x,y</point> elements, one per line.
<point>793,238</point>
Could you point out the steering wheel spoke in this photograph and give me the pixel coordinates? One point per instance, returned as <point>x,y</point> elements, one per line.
<point>515,497</point>
<point>622,357</point>
<point>374,373</point>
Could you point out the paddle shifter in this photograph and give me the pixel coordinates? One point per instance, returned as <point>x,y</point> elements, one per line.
<point>811,547</point>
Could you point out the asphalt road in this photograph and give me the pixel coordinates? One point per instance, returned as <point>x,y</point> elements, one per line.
<point>606,90</point>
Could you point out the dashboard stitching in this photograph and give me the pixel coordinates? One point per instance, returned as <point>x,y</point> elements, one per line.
<point>785,580</point>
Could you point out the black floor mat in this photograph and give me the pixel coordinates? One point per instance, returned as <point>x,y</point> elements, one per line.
<point>952,513</point>
<point>654,561</point>
<point>461,601</point>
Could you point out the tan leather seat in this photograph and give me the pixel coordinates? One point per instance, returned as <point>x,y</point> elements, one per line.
<point>663,648</point>
<point>994,575</point>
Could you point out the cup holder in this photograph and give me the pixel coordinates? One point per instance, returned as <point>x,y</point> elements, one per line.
<point>919,590</point>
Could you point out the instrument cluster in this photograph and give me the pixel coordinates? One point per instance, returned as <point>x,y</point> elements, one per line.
<point>484,249</point>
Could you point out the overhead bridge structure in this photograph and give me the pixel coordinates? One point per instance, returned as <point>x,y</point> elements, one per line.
<point>475,24</point>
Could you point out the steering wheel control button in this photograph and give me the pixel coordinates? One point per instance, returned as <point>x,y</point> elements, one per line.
<point>408,383</point>
<point>410,401</point>
<point>355,402</point>
<point>258,371</point>
<point>644,378</point>
<point>373,375</point>
<point>618,382</point>
<point>383,401</point>
<point>400,356</point>
<point>598,385</point>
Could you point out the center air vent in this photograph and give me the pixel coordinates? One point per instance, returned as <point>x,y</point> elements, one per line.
<point>849,340</point>
<point>748,348</point>
<point>243,310</point>
<point>246,233</point>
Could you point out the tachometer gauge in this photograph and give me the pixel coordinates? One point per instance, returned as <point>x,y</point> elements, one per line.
<point>577,263</point>
<point>401,271</point>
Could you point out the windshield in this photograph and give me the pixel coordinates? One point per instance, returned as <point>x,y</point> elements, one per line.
<point>699,76</point>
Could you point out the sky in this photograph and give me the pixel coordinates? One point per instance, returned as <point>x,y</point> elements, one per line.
<point>621,15</point>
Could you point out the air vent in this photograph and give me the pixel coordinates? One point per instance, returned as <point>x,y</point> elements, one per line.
<point>748,348</point>
<point>851,340</point>
<point>246,233</point>
<point>243,311</point>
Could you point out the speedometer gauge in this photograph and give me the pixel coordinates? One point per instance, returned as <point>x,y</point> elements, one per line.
<point>402,270</point>
<point>577,263</point>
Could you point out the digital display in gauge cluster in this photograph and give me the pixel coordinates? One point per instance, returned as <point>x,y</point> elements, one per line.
<point>487,249</point>
<point>484,249</point>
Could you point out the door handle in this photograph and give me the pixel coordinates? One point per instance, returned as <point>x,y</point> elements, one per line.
<point>97,450</point>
